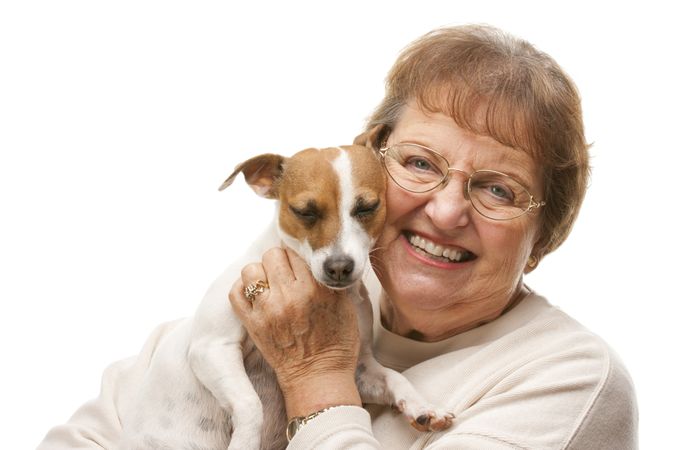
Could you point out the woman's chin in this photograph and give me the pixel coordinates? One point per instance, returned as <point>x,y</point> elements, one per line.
<point>422,280</point>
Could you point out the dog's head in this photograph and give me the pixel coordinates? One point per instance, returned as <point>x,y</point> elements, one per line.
<point>331,205</point>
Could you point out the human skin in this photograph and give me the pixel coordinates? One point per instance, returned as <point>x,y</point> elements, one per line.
<point>315,364</point>
<point>307,333</point>
<point>457,296</point>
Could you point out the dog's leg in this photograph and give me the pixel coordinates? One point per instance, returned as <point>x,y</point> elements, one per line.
<point>219,365</point>
<point>380,385</point>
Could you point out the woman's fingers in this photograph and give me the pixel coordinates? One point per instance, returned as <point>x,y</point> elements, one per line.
<point>251,287</point>
<point>300,326</point>
<point>289,276</point>
<point>237,299</point>
<point>298,265</point>
<point>277,267</point>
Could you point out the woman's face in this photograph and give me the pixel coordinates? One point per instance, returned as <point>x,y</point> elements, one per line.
<point>429,297</point>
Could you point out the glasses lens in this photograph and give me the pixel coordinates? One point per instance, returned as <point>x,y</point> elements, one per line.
<point>498,196</point>
<point>415,168</point>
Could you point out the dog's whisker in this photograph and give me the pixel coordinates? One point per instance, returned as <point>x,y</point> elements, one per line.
<point>377,271</point>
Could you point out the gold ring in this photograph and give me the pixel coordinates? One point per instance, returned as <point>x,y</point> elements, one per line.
<point>255,288</point>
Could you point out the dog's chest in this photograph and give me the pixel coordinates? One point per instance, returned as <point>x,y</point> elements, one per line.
<point>179,414</point>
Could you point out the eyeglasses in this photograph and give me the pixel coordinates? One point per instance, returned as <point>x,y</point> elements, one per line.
<point>493,194</point>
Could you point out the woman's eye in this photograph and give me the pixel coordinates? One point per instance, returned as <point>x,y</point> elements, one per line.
<point>419,163</point>
<point>500,192</point>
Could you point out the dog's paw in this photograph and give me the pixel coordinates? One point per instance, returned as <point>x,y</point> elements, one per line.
<point>425,418</point>
<point>433,421</point>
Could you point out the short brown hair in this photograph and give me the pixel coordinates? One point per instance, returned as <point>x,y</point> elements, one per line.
<point>497,85</point>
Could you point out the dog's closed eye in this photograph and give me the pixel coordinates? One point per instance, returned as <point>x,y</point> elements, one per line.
<point>364,209</point>
<point>309,214</point>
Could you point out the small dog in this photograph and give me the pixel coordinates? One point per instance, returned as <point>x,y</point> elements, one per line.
<point>207,383</point>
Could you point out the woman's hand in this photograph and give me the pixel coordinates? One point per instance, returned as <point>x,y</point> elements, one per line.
<point>307,333</point>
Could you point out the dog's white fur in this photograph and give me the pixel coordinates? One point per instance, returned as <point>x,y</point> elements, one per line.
<point>206,385</point>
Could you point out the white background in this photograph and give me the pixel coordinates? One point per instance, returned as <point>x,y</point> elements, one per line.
<point>119,120</point>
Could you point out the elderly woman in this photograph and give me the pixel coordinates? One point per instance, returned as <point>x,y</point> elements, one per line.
<point>482,138</point>
<point>483,142</point>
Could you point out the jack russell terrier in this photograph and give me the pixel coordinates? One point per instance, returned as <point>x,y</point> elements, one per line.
<point>207,383</point>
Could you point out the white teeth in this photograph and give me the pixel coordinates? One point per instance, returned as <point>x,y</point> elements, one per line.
<point>431,248</point>
<point>434,249</point>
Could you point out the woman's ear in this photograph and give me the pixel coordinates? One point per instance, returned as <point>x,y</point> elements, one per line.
<point>536,255</point>
<point>532,263</point>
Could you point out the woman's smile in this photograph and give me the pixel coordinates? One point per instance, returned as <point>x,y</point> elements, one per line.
<point>436,254</point>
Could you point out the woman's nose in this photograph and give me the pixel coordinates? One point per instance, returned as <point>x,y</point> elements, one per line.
<point>448,207</point>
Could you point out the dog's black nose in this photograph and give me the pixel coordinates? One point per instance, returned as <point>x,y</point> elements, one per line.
<point>338,268</point>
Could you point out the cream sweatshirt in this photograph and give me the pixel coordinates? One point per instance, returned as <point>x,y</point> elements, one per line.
<point>532,379</point>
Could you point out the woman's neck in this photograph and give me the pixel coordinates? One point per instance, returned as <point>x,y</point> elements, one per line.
<point>455,319</point>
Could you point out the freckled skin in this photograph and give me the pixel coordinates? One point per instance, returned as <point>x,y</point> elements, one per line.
<point>455,299</point>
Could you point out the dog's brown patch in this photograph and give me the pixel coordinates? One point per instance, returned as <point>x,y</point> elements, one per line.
<point>310,187</point>
<point>370,184</point>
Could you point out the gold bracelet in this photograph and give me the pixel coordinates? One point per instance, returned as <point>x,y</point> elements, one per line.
<point>298,422</point>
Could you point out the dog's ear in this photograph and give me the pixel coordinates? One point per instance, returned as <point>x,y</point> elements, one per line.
<point>261,173</point>
<point>374,137</point>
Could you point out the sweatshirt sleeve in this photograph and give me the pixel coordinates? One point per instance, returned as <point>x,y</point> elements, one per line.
<point>346,427</point>
<point>96,424</point>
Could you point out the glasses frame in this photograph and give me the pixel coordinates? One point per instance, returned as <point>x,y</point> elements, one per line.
<point>466,191</point>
